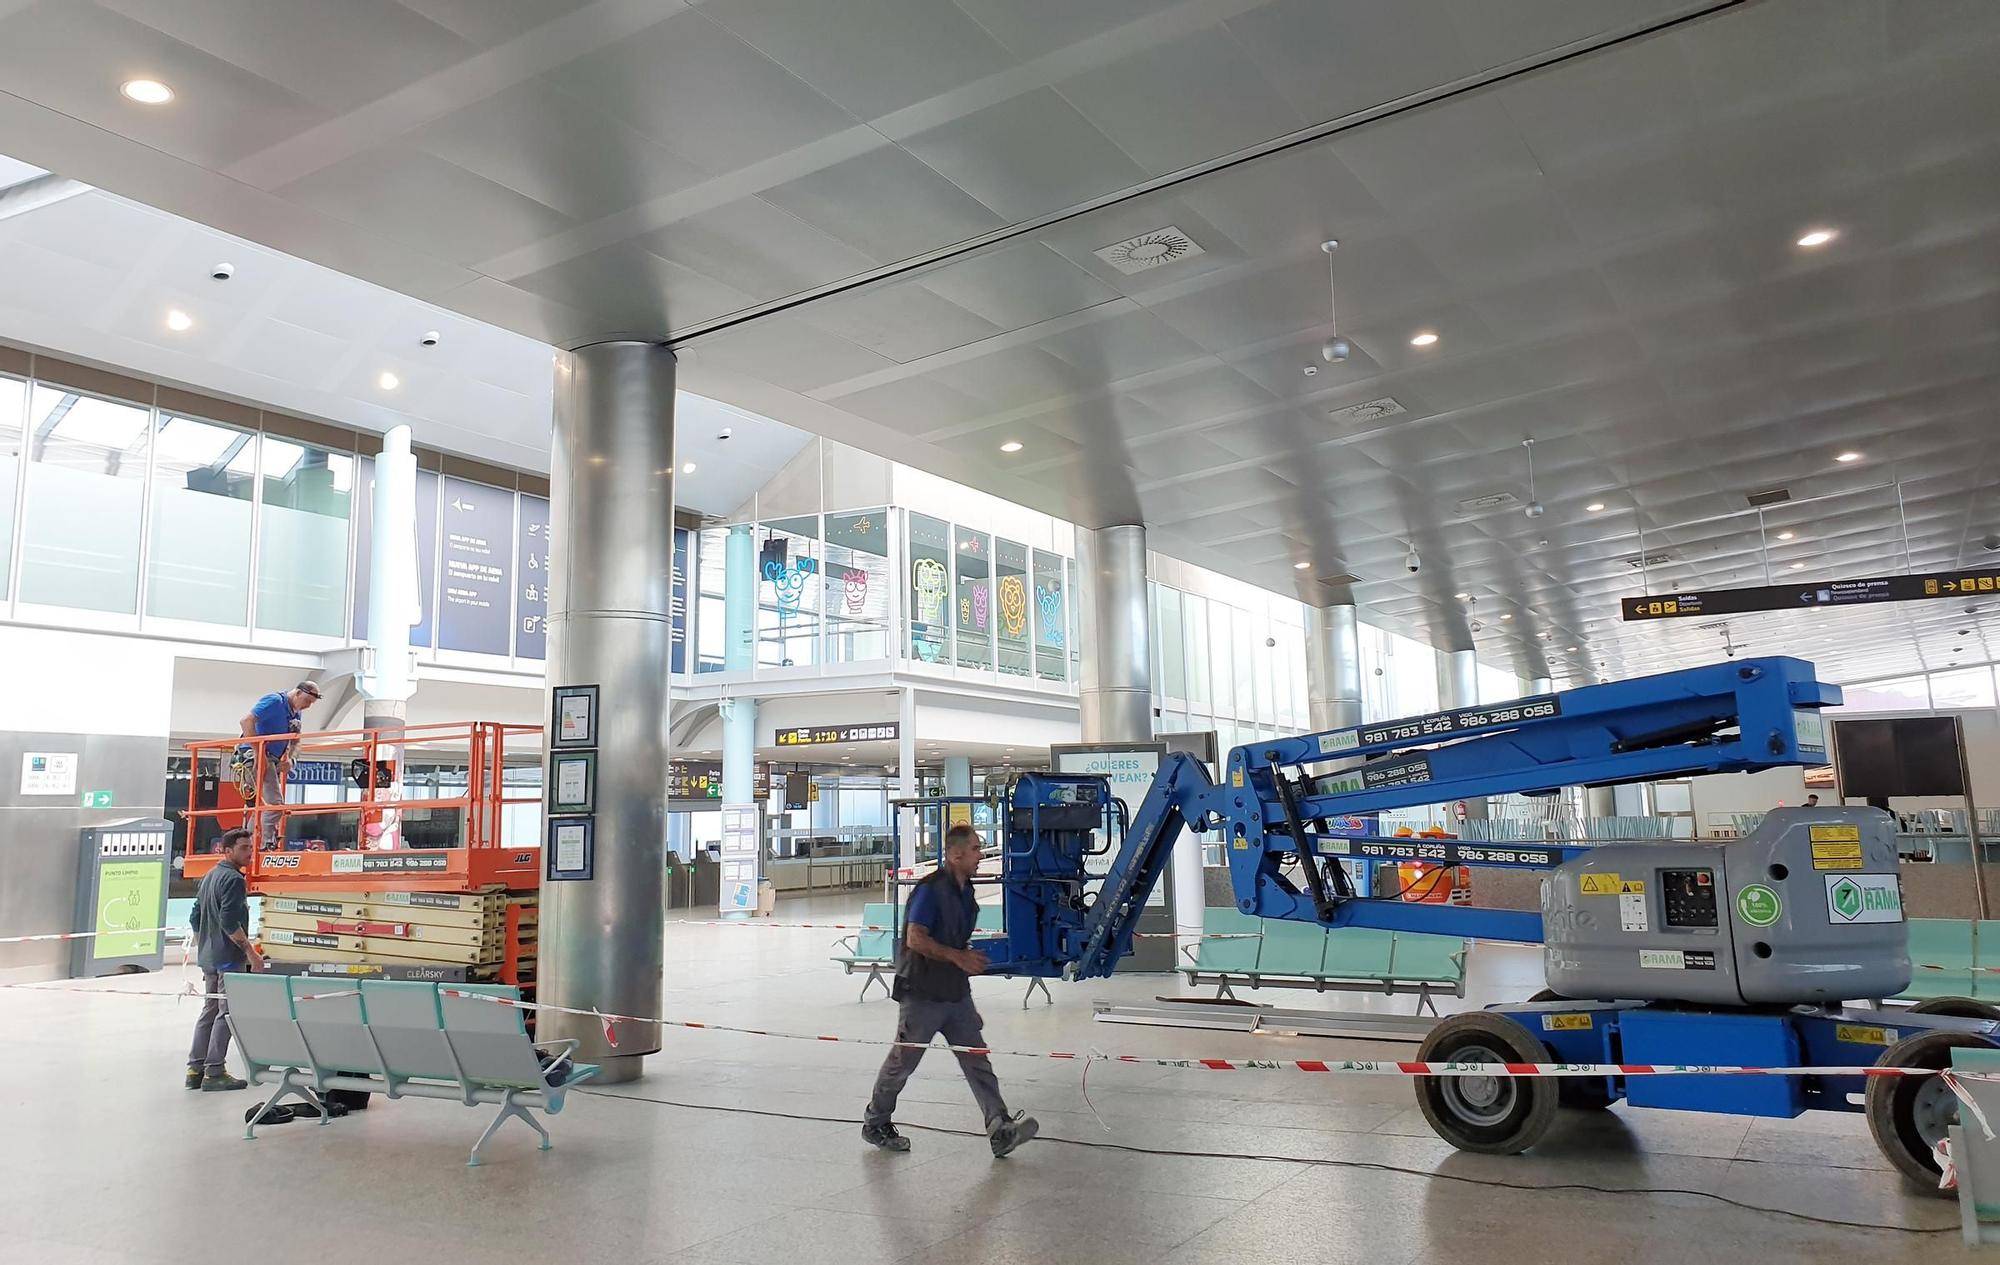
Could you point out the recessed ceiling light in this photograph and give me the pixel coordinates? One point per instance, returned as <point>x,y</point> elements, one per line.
<point>1849,456</point>
<point>1570,649</point>
<point>1818,237</point>
<point>1506,617</point>
<point>1785,535</point>
<point>1425,339</point>
<point>1463,597</point>
<point>146,91</point>
<point>1301,566</point>
<point>1012,445</point>
<point>178,320</point>
<point>688,468</point>
<point>388,381</point>
<point>1798,566</point>
<point>1595,507</point>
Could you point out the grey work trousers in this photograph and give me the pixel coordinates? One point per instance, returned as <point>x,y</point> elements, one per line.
<point>211,1028</point>
<point>919,1021</point>
<point>270,796</point>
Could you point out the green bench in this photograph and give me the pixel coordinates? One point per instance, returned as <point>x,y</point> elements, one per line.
<point>1977,1160</point>
<point>875,950</point>
<point>872,950</point>
<point>1945,954</point>
<point>1288,954</point>
<point>305,1035</point>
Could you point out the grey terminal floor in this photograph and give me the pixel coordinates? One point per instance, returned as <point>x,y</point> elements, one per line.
<point>742,1149</point>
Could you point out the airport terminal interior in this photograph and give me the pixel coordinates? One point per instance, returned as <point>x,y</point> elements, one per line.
<point>1090,631</point>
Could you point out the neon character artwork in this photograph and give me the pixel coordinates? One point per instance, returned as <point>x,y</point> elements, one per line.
<point>930,584</point>
<point>1013,605</point>
<point>1049,600</point>
<point>854,590</point>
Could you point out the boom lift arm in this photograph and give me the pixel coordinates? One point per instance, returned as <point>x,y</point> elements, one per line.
<point>1273,809</point>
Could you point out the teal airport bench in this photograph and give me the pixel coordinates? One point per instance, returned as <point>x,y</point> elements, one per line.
<point>1945,957</point>
<point>1287,954</point>
<point>875,951</point>
<point>306,1035</point>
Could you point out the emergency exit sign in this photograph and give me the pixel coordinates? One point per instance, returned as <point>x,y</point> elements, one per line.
<point>1809,595</point>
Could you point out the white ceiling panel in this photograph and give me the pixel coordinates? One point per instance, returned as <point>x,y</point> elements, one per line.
<point>1604,243</point>
<point>1026,156</point>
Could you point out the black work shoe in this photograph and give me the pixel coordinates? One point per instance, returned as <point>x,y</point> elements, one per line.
<point>884,1136</point>
<point>1008,1136</point>
<point>216,1082</point>
<point>194,1078</point>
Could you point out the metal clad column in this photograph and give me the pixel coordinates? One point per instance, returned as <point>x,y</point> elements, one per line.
<point>739,654</point>
<point>394,607</point>
<point>1458,686</point>
<point>1333,666</point>
<point>611,483</point>
<point>1114,633</point>
<point>1116,676</point>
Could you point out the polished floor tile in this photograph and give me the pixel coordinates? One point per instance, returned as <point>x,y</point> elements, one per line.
<point>741,1150</point>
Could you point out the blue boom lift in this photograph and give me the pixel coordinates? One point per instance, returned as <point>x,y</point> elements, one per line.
<point>1742,953</point>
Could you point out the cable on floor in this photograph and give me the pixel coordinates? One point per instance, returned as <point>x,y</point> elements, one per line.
<point>1372,1165</point>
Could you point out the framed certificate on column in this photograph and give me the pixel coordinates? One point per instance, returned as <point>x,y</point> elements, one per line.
<point>574,723</point>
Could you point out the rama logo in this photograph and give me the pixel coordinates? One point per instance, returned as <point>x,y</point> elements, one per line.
<point>1845,899</point>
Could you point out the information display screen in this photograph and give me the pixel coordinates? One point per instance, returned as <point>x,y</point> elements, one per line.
<point>1901,756</point>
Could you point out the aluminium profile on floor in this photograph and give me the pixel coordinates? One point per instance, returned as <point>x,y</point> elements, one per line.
<point>1266,1020</point>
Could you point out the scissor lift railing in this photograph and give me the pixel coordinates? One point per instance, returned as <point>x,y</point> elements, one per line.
<point>478,856</point>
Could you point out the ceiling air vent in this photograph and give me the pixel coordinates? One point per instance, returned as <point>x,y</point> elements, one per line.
<point>1491,501</point>
<point>1340,578</point>
<point>1637,562</point>
<point>1369,411</point>
<point>1149,250</point>
<point>1772,496</point>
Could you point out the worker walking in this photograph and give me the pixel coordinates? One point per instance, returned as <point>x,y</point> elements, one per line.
<point>934,991</point>
<point>221,925</point>
<point>270,716</point>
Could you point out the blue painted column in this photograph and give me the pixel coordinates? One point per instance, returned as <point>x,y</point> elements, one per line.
<point>739,654</point>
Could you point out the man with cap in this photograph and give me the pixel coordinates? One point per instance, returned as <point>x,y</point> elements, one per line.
<point>272,715</point>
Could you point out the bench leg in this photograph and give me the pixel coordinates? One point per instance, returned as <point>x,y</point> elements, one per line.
<point>1223,992</point>
<point>874,977</point>
<point>287,1086</point>
<point>508,1107</point>
<point>1035,982</point>
<point>1424,1001</point>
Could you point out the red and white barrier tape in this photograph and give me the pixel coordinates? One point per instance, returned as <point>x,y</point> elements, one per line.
<point>876,926</point>
<point>86,935</point>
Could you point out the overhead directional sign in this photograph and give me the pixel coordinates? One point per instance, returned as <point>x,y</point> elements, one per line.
<point>823,735</point>
<point>1923,587</point>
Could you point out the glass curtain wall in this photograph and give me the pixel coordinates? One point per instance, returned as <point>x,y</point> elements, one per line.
<point>302,539</point>
<point>13,412</point>
<point>86,494</point>
<point>1237,671</point>
<point>204,487</point>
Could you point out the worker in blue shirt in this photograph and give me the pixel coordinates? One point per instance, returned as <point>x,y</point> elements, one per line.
<point>270,716</point>
<point>934,990</point>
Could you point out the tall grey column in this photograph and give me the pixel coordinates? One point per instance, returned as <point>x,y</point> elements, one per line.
<point>611,484</point>
<point>1116,694</point>
<point>1541,685</point>
<point>1333,666</point>
<point>1458,686</point>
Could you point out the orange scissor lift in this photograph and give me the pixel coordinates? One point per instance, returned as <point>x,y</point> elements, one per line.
<point>355,897</point>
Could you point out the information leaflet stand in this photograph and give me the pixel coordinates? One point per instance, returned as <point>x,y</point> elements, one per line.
<point>742,858</point>
<point>121,898</point>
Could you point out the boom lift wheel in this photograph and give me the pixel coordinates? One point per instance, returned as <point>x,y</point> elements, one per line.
<point>1576,1092</point>
<point>1909,1114</point>
<point>1957,1008</point>
<point>1493,1115</point>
